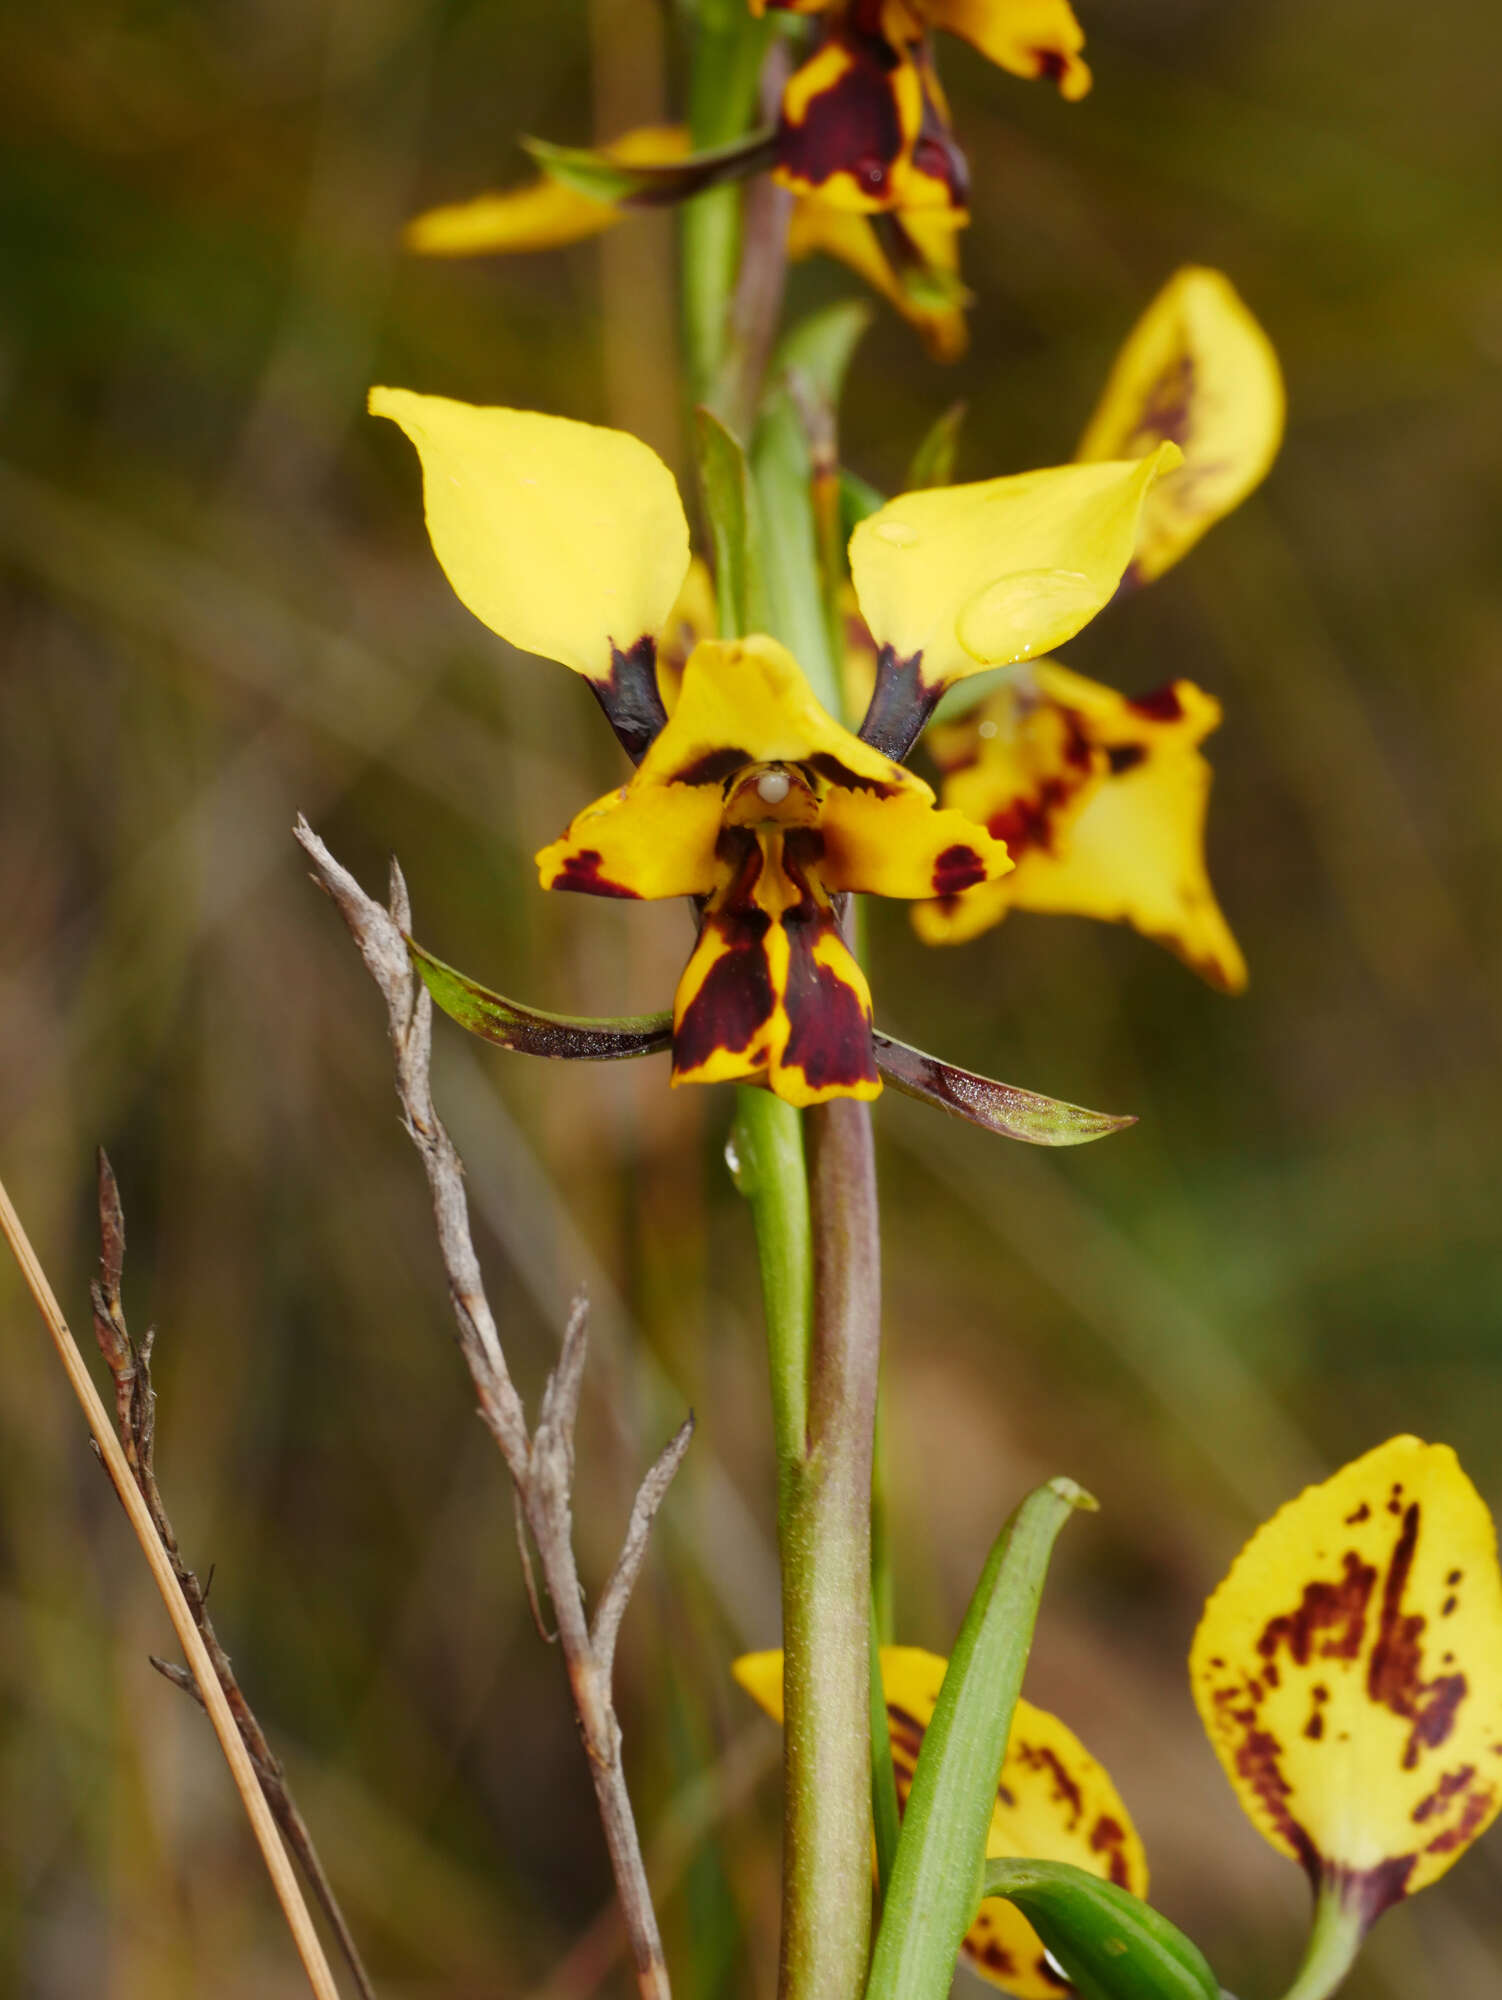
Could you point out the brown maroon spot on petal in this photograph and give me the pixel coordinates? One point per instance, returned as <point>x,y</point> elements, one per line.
<point>1124,757</point>
<point>852,125</point>
<point>736,998</point>
<point>829,1035</point>
<point>956,869</point>
<point>630,697</point>
<point>1257,1763</point>
<point>582,871</point>
<point>1159,704</point>
<point>1473,1816</point>
<point>1007,1796</point>
<point>1051,63</point>
<point>1451,1783</point>
<point>996,1958</point>
<point>1394,1674</point>
<point>1108,1837</point>
<point>1362,1513</point>
<point>1334,1609</point>
<point>1455,1576</point>
<point>1448,1606</point>
<point>1314,1728</point>
<point>829,766</point>
<point>1370,1891</point>
<point>1038,1757</point>
<point>1168,407</point>
<point>712,768</point>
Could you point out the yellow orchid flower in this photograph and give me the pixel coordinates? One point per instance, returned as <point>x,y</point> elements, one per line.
<point>1103,814</point>
<point>1054,1802</point>
<point>1100,797</point>
<point>1349,1674</point>
<point>570,540</point>
<point>1031,38</point>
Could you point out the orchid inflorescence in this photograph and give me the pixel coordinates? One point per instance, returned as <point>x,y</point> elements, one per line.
<point>1348,1670</point>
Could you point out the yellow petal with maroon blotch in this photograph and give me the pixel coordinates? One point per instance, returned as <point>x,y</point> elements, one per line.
<point>1101,800</point>
<point>771,991</point>
<point>567,539</point>
<point>1054,1802</point>
<point>1349,1673</point>
<point>1199,370</point>
<point>1027,37</point>
<point>746,701</point>
<point>645,841</point>
<point>544,213</point>
<point>817,226</point>
<point>956,579</point>
<point>849,121</point>
<point>899,843</point>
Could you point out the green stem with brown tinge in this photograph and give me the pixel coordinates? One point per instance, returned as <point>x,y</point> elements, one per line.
<point>1334,1941</point>
<point>825,1531</point>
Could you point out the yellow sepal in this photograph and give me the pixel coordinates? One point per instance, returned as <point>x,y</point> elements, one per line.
<point>1196,368</point>
<point>543,214</point>
<point>1054,1802</point>
<point>566,539</point>
<point>1349,1673</point>
<point>976,576</point>
<point>818,226</point>
<point>1102,802</point>
<point>1028,37</point>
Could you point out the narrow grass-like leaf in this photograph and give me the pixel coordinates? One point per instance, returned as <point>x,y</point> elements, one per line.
<point>600,178</point>
<point>933,461</point>
<point>938,1875</point>
<point>1112,1945</point>
<point>998,1107</point>
<point>886,1815</point>
<point>726,479</point>
<point>531,1031</point>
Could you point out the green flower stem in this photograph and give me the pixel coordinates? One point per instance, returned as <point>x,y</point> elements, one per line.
<point>728,50</point>
<point>1334,1941</point>
<point>770,1172</point>
<point>826,1578</point>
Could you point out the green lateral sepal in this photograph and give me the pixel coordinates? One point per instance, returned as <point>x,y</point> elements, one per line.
<point>600,178</point>
<point>996,1107</point>
<point>532,1031</point>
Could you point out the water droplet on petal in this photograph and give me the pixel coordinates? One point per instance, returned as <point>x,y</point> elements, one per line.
<point>988,729</point>
<point>898,533</point>
<point>733,1157</point>
<point>1027,613</point>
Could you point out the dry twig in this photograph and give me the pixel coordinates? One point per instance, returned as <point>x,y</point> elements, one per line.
<point>541,1462</point>
<point>129,1364</point>
<point>122,1476</point>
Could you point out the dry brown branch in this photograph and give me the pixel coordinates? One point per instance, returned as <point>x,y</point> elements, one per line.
<point>541,1462</point>
<point>129,1364</point>
<point>112,1456</point>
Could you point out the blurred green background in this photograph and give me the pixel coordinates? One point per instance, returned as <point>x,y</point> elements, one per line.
<point>219,607</point>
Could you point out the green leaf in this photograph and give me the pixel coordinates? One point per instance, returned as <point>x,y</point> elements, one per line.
<point>1112,1944</point>
<point>730,505</point>
<point>859,499</point>
<point>886,1814</point>
<point>600,178</point>
<point>933,461</point>
<point>510,1025</point>
<point>821,347</point>
<point>937,1878</point>
<point>997,1107</point>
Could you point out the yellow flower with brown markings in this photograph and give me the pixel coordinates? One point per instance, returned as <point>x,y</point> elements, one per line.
<point>1054,1802</point>
<point>1349,1673</point>
<point>570,541</point>
<point>1101,797</point>
<point>1031,38</point>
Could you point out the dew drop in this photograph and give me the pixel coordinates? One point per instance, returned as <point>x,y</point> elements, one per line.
<point>898,533</point>
<point>988,729</point>
<point>1025,614</point>
<point>734,1162</point>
